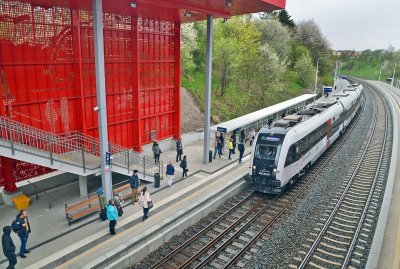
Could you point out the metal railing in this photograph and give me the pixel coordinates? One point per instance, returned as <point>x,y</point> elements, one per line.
<point>37,190</point>
<point>73,148</point>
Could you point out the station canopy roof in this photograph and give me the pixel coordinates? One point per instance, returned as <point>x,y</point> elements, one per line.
<point>250,118</point>
<point>173,10</point>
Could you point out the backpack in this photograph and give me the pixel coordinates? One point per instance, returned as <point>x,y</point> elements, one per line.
<point>15,227</point>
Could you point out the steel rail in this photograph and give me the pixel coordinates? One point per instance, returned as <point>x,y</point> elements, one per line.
<point>323,230</point>
<point>364,213</point>
<point>301,192</point>
<point>202,232</point>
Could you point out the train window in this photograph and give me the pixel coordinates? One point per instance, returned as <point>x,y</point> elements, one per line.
<point>292,155</point>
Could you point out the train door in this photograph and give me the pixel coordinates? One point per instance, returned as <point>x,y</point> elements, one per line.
<point>328,132</point>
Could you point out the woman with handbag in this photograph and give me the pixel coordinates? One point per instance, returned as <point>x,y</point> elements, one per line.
<point>145,202</point>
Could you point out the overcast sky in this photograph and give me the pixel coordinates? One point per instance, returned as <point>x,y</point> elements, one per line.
<point>352,24</point>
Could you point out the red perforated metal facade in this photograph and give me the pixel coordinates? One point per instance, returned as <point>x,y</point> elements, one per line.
<point>47,75</point>
<point>48,78</point>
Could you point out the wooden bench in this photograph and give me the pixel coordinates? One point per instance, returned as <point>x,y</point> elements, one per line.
<point>82,209</point>
<point>126,191</point>
<point>90,205</point>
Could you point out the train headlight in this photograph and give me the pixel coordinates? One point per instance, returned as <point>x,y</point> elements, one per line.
<point>254,167</point>
<point>274,171</point>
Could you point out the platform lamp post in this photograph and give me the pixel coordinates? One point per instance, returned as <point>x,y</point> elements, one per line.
<point>394,71</point>
<point>380,72</point>
<point>101,98</point>
<point>207,110</point>
<point>316,77</point>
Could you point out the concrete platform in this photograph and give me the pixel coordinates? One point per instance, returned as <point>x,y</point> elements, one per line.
<point>55,243</point>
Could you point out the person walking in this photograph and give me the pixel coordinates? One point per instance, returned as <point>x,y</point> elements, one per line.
<point>145,202</point>
<point>135,183</point>
<point>241,151</point>
<point>179,150</point>
<point>24,228</point>
<point>183,165</point>
<point>156,151</point>
<point>170,173</point>
<point>234,141</point>
<point>8,247</point>
<point>112,215</point>
<point>230,147</point>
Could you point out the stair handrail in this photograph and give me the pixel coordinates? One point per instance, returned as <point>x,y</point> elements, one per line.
<point>75,141</point>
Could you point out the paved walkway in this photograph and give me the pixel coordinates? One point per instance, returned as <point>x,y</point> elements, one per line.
<point>49,226</point>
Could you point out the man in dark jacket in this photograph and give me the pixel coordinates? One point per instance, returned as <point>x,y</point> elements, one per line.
<point>8,247</point>
<point>241,151</point>
<point>179,150</point>
<point>135,183</point>
<point>24,231</point>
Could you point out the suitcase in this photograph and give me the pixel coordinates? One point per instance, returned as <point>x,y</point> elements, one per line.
<point>103,214</point>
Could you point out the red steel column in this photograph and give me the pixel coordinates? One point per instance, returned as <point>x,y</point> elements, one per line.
<point>77,46</point>
<point>136,85</point>
<point>8,174</point>
<point>177,81</point>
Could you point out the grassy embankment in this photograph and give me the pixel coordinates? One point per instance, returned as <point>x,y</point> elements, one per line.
<point>228,106</point>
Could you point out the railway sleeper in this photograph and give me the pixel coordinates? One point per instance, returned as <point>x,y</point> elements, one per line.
<point>330,253</point>
<point>315,256</point>
<point>333,247</point>
<point>316,265</point>
<point>341,230</point>
<point>339,235</point>
<point>344,225</point>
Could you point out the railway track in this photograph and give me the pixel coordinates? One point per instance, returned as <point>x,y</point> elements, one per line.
<point>340,240</point>
<point>227,240</point>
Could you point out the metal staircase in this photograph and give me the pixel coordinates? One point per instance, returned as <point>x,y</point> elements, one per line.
<point>71,152</point>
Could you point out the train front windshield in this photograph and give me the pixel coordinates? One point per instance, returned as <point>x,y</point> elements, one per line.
<point>269,146</point>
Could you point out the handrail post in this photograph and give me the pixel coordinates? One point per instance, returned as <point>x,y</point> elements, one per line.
<point>36,193</point>
<point>11,137</point>
<point>128,160</point>
<point>83,160</point>
<point>50,149</point>
<point>144,166</point>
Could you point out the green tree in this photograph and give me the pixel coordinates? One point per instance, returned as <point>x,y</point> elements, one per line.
<point>286,19</point>
<point>275,35</point>
<point>188,44</point>
<point>305,70</point>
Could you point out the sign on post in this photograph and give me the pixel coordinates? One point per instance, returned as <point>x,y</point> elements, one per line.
<point>153,135</point>
<point>221,129</point>
<point>108,158</point>
<point>327,89</point>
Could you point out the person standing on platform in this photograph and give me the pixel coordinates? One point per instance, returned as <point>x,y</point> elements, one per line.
<point>234,141</point>
<point>170,173</point>
<point>102,203</point>
<point>118,204</point>
<point>230,147</point>
<point>179,150</point>
<point>135,183</point>
<point>242,137</point>
<point>183,165</point>
<point>145,202</point>
<point>112,215</point>
<point>24,228</point>
<point>217,146</point>
<point>241,151</point>
<point>252,136</point>
<point>221,144</point>
<point>8,247</point>
<point>156,151</point>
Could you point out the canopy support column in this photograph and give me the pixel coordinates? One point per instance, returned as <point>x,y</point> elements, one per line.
<point>101,96</point>
<point>207,108</point>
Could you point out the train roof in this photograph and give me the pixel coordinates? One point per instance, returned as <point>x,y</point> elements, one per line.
<point>282,126</point>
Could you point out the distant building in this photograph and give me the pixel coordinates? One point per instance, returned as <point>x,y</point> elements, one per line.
<point>346,53</point>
